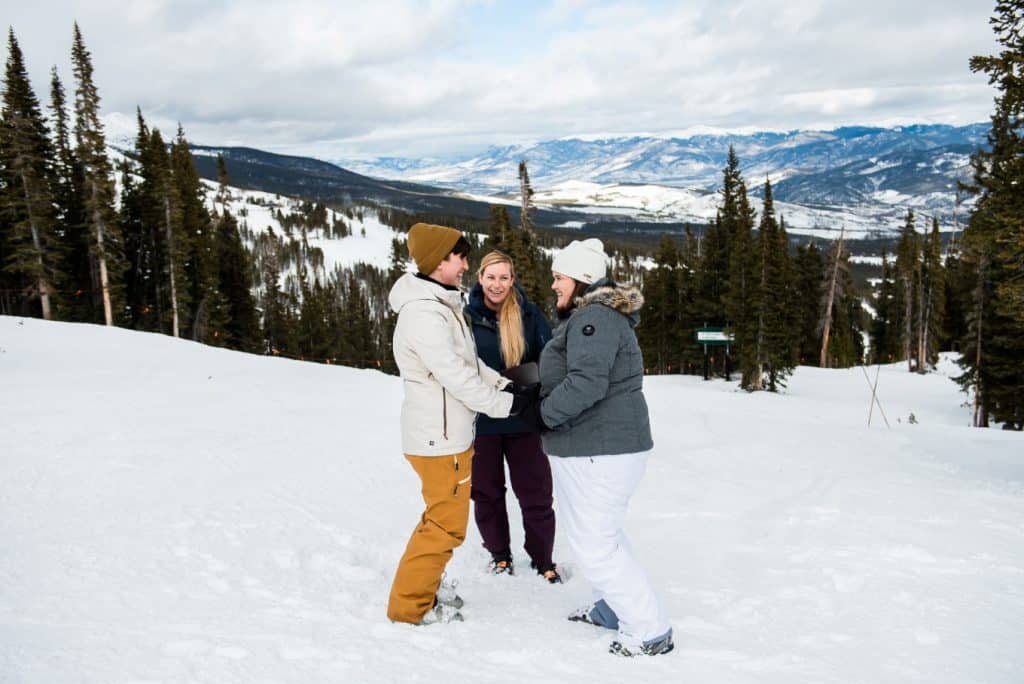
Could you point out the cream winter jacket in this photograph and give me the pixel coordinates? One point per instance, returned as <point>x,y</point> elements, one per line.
<point>445,383</point>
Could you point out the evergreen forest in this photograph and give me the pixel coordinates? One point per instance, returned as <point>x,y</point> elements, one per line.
<point>136,239</point>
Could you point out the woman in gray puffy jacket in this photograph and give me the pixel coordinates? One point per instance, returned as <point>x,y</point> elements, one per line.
<point>597,433</point>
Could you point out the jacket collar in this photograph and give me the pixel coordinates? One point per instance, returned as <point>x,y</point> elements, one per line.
<point>411,288</point>
<point>626,299</point>
<point>438,282</point>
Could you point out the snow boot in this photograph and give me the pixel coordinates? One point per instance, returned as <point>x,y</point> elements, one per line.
<point>583,615</point>
<point>446,594</point>
<point>598,614</point>
<point>548,572</point>
<point>659,646</point>
<point>501,564</point>
<point>441,613</point>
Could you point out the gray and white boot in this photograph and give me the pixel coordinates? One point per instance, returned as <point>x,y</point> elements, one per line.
<point>446,593</point>
<point>441,613</point>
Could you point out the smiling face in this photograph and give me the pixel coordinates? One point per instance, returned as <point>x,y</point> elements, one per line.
<point>496,281</point>
<point>564,286</point>
<point>451,269</point>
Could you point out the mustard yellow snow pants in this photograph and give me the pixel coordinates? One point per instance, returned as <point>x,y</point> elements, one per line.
<point>441,528</point>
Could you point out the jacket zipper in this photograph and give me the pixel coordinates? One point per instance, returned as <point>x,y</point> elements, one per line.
<point>444,417</point>
<point>444,392</point>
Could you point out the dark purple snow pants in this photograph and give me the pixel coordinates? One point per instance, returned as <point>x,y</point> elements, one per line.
<point>530,474</point>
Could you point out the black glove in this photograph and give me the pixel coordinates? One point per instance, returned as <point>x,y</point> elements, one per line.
<point>523,396</point>
<point>530,414</point>
<point>514,388</point>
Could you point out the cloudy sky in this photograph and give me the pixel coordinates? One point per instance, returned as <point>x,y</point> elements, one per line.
<point>337,79</point>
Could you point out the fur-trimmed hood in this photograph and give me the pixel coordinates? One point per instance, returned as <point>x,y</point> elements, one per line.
<point>626,299</point>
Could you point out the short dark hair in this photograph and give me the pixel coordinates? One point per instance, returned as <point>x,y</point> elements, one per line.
<point>462,247</point>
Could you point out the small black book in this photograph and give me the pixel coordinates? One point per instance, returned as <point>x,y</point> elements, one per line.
<point>524,375</point>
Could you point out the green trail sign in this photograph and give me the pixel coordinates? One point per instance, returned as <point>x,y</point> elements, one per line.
<point>712,337</point>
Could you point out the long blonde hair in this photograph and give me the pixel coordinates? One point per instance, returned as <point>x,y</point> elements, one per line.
<point>510,317</point>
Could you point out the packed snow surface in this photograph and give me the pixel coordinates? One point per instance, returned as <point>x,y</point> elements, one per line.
<point>171,512</point>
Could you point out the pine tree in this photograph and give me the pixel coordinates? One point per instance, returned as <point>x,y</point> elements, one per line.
<point>659,331</point>
<point>773,316</point>
<point>499,228</point>
<point>532,268</point>
<point>277,323</point>
<point>389,319</point>
<point>933,298</point>
<point>847,348</point>
<point>70,212</point>
<point>690,354</point>
<point>171,237</point>
<point>242,328</point>
<point>957,289</point>
<point>98,185</point>
<point>713,276</point>
<point>885,328</point>
<point>222,182</point>
<point>993,244</point>
<point>27,203</point>
<point>717,247</point>
<point>908,269</point>
<point>139,219</point>
<point>399,260</point>
<point>357,326</point>
<point>210,310</point>
<point>314,340</point>
<point>132,232</point>
<point>525,198</point>
<point>742,294</point>
<point>810,275</point>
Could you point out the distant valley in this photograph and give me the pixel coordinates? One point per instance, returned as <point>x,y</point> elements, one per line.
<point>862,178</point>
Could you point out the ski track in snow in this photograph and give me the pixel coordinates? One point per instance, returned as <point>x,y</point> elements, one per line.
<point>175,513</point>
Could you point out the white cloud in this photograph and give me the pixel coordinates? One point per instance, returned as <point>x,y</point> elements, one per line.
<point>401,76</point>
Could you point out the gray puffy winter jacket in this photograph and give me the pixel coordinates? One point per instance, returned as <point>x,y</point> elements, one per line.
<point>592,377</point>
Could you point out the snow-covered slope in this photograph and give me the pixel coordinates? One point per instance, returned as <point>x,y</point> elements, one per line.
<point>171,512</point>
<point>369,241</point>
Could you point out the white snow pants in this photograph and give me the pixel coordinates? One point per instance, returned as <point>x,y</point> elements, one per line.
<point>592,495</point>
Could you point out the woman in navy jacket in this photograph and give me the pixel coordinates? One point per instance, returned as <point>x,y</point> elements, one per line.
<point>509,331</point>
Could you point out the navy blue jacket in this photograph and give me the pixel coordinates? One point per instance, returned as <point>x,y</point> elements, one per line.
<point>536,332</point>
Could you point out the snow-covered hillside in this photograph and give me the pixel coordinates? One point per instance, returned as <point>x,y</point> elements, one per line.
<point>171,512</point>
<point>368,243</point>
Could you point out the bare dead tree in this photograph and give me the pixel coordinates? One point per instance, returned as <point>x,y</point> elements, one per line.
<point>825,323</point>
<point>172,265</point>
<point>977,318</point>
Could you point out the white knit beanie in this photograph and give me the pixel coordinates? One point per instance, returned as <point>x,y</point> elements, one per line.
<point>582,260</point>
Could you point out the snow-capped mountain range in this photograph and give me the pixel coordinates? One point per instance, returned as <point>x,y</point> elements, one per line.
<point>864,177</point>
